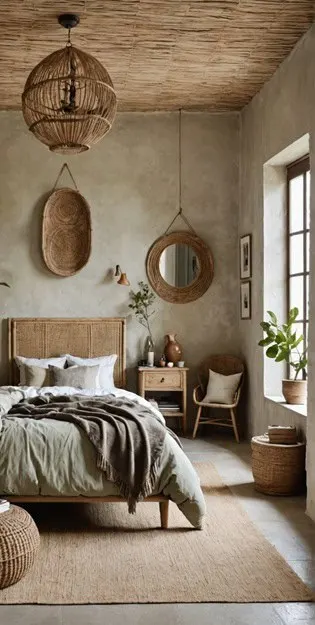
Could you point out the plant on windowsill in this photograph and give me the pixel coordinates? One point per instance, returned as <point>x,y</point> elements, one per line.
<point>283,346</point>
<point>141,303</point>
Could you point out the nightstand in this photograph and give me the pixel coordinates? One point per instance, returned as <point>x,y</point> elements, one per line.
<point>166,385</point>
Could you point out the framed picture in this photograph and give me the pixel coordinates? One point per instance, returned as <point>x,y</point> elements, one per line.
<point>245,300</point>
<point>246,256</point>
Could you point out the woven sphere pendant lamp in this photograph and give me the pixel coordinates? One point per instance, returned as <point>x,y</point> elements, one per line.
<point>69,102</point>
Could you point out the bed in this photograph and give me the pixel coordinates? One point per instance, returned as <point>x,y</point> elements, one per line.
<point>28,479</point>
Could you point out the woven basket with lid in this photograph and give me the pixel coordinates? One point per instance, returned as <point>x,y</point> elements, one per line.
<point>19,543</point>
<point>278,469</point>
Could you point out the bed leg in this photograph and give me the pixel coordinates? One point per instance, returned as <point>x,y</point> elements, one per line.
<point>164,514</point>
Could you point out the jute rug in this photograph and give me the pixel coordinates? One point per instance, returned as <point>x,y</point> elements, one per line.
<point>101,554</point>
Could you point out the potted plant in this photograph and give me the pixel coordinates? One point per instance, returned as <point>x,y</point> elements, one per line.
<point>283,345</point>
<point>141,303</point>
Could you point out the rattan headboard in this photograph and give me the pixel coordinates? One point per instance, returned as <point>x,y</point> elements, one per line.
<point>88,338</point>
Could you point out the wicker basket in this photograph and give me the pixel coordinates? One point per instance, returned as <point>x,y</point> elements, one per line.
<point>19,543</point>
<point>278,469</point>
<point>66,232</point>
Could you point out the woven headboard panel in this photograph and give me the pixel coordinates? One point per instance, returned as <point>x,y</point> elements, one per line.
<point>88,338</point>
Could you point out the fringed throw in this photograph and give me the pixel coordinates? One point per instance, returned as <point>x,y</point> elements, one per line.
<point>127,436</point>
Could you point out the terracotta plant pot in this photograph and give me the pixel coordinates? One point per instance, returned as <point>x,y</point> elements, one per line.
<point>172,349</point>
<point>294,391</point>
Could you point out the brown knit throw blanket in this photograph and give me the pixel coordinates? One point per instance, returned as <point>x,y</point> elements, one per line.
<point>127,436</point>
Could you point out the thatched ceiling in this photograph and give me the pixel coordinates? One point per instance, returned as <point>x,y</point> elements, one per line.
<point>161,54</point>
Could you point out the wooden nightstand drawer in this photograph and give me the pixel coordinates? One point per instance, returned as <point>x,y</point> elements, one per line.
<point>159,380</point>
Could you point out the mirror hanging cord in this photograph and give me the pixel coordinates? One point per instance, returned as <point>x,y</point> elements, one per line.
<point>180,211</point>
<point>65,166</point>
<point>181,214</point>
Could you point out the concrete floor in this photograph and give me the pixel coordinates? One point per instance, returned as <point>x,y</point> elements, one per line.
<point>281,520</point>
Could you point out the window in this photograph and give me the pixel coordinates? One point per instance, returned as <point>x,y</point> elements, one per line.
<point>298,214</point>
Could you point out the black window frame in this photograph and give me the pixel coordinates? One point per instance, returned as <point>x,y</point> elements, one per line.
<point>294,170</point>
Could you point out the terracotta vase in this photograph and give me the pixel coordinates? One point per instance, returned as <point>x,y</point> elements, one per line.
<point>172,349</point>
<point>294,391</point>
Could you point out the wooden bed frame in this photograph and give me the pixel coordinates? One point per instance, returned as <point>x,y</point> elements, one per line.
<point>88,338</point>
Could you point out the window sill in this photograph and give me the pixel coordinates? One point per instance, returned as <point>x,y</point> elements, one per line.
<point>278,399</point>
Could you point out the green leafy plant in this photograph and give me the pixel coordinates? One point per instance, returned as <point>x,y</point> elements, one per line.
<point>141,303</point>
<point>282,343</point>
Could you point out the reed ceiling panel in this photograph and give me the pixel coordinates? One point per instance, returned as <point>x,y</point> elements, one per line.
<point>161,54</point>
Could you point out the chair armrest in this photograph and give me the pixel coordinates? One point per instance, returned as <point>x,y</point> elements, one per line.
<point>198,394</point>
<point>237,397</point>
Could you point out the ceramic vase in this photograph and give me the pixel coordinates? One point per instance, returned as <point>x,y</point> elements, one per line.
<point>172,350</point>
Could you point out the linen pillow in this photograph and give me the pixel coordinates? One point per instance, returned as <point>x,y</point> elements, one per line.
<point>221,389</point>
<point>106,364</point>
<point>36,376</point>
<point>21,361</point>
<point>78,377</point>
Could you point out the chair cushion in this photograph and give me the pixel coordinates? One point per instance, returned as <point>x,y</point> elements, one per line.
<point>221,389</point>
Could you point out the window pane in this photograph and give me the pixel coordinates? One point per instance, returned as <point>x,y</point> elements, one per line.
<point>307,296</point>
<point>296,294</point>
<point>306,342</point>
<point>296,203</point>
<point>308,198</point>
<point>292,374</point>
<point>298,328</point>
<point>296,253</point>
<point>307,251</point>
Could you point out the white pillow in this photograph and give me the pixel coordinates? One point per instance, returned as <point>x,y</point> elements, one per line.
<point>221,389</point>
<point>44,363</point>
<point>106,373</point>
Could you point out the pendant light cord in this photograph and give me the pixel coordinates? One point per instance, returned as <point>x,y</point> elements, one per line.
<point>180,210</point>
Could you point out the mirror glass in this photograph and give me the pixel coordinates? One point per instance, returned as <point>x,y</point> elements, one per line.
<point>179,265</point>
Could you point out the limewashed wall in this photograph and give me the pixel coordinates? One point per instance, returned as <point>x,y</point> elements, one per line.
<point>130,180</point>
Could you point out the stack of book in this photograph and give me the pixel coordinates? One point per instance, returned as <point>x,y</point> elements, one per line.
<point>282,434</point>
<point>4,505</point>
<point>168,405</point>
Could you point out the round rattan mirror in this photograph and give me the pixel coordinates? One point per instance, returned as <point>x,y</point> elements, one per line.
<point>179,267</point>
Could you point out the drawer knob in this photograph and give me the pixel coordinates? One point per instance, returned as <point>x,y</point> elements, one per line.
<point>162,379</point>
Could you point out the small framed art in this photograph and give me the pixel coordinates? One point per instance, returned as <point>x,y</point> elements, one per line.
<point>246,256</point>
<point>245,300</point>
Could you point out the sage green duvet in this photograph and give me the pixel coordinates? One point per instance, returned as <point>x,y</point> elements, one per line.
<point>55,458</point>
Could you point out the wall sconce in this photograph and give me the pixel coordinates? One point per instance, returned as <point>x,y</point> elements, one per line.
<point>123,280</point>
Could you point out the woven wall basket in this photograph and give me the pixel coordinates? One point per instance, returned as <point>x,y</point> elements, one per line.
<point>66,234</point>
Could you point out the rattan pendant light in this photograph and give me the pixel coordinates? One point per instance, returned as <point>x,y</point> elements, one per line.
<point>69,102</point>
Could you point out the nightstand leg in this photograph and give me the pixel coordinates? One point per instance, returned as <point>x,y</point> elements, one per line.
<point>184,409</point>
<point>141,385</point>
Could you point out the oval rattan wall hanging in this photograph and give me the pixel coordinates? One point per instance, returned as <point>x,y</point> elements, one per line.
<point>66,233</point>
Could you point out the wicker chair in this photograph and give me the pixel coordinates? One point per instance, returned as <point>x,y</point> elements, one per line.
<point>226,365</point>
